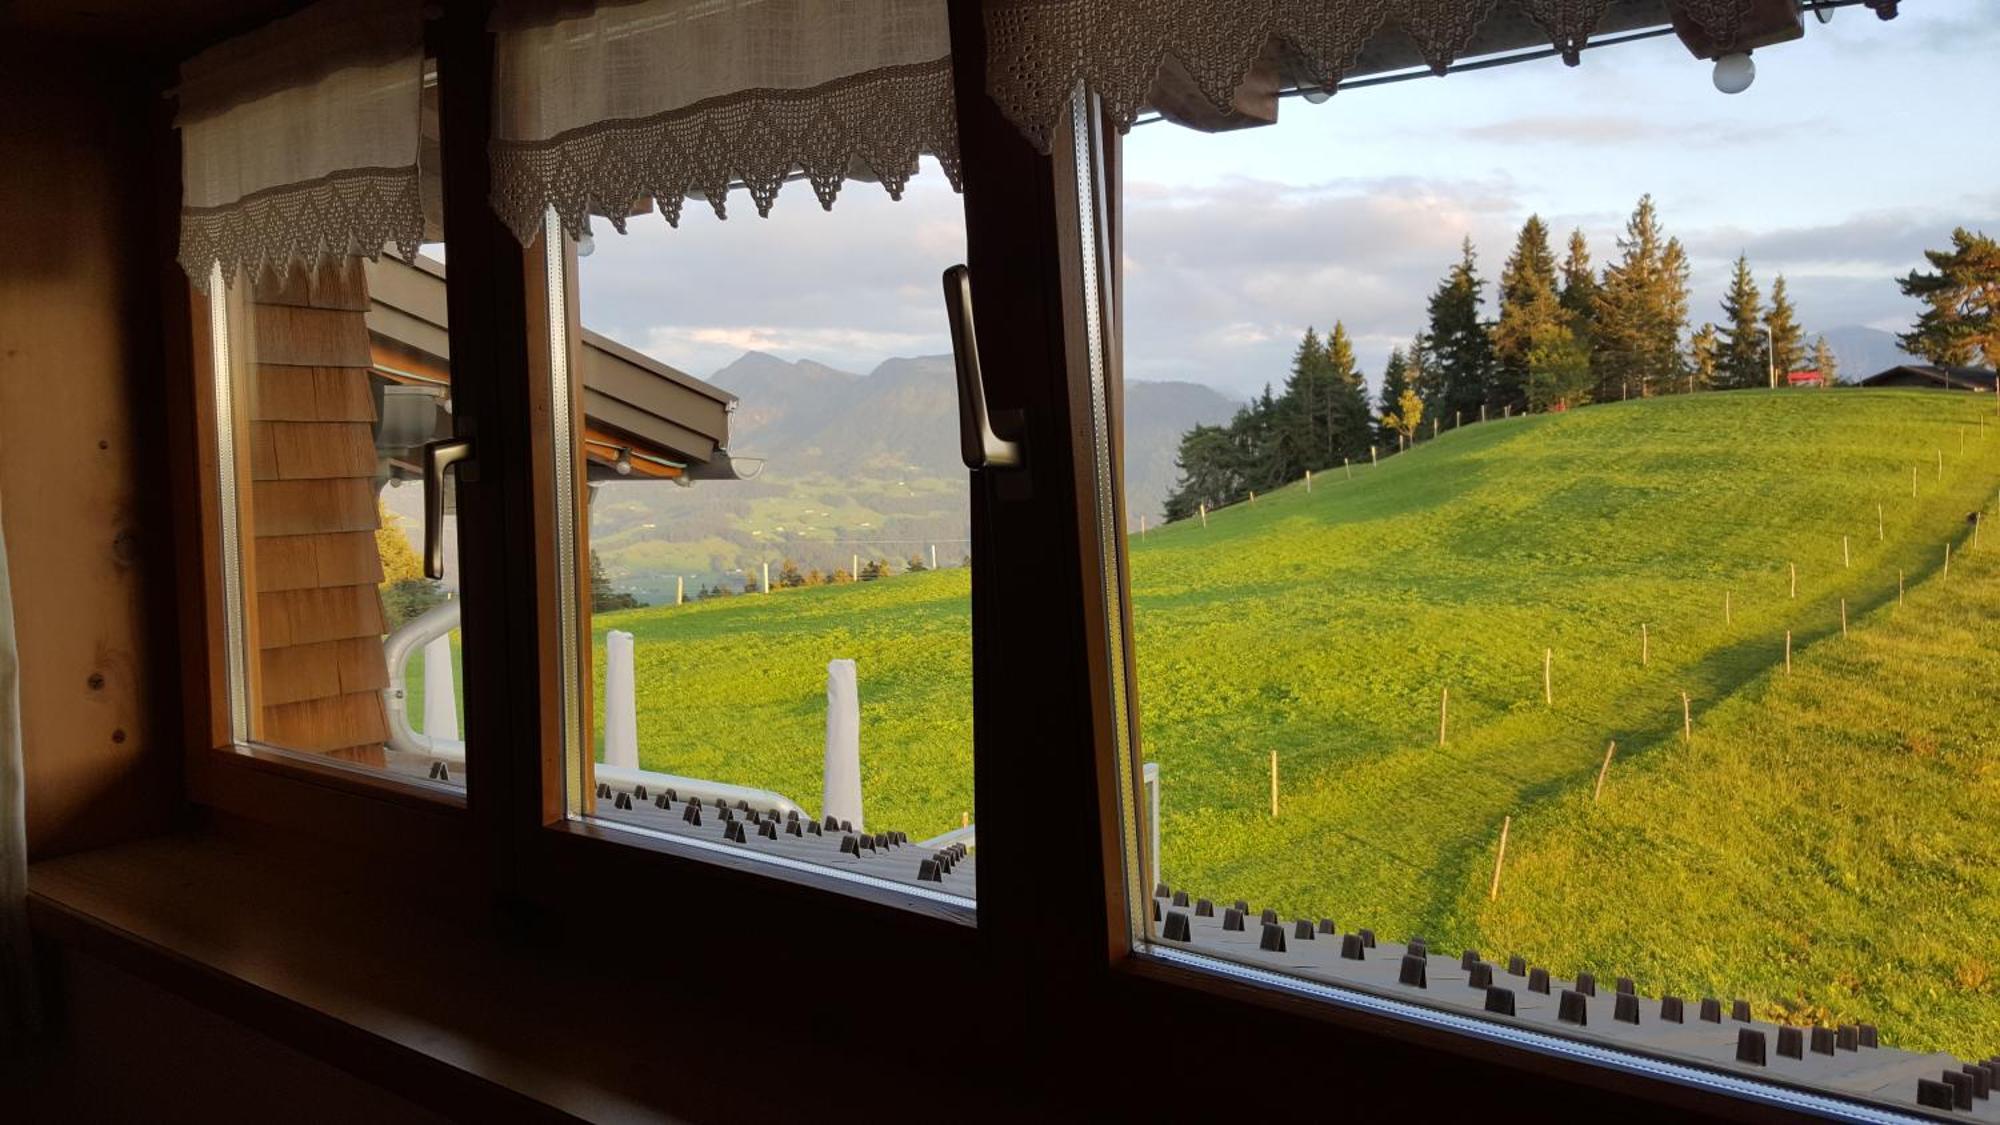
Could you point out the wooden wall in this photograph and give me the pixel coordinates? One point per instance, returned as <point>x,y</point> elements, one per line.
<point>82,495</point>
<point>312,516</point>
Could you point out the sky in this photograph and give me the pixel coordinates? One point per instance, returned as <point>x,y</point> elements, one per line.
<point>1856,148</point>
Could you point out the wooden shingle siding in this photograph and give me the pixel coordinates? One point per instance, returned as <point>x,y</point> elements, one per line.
<point>315,514</point>
<point>307,507</point>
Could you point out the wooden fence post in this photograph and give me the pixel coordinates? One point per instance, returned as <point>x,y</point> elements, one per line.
<point>1499,857</point>
<point>1548,683</point>
<point>1946,576</point>
<point>1878,523</point>
<point>1913,482</point>
<point>1204,515</point>
<point>1645,646</point>
<point>1846,559</point>
<point>1728,616</point>
<point>1899,587</point>
<point>1274,785</point>
<point>1940,464</point>
<point>1609,750</point>
<point>1788,652</point>
<point>1843,618</point>
<point>1444,713</point>
<point>1687,719</point>
<point>1309,482</point>
<point>1795,578</point>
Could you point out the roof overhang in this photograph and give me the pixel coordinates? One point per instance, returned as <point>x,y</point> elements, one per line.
<point>654,420</point>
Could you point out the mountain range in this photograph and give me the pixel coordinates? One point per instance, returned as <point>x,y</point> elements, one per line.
<point>854,465</point>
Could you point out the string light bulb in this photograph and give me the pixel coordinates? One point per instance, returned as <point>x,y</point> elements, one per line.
<point>1735,72</point>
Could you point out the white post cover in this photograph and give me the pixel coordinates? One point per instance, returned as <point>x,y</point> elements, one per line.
<point>840,796</point>
<point>440,692</point>
<point>621,702</point>
<point>299,141</point>
<point>613,109</point>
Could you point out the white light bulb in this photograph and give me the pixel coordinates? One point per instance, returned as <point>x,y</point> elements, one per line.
<point>1734,73</point>
<point>586,245</point>
<point>623,466</point>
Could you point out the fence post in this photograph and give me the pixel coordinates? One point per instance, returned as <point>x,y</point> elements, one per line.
<point>1548,682</point>
<point>1795,578</point>
<point>680,589</point>
<point>1499,857</point>
<point>840,781</point>
<point>1609,750</point>
<point>1846,559</point>
<point>1645,646</point>
<point>1444,713</point>
<point>1788,652</point>
<point>1204,515</point>
<point>440,692</point>
<point>934,556</point>
<point>1309,481</point>
<point>767,578</point>
<point>1728,614</point>
<point>1687,719</point>
<point>621,705</point>
<point>1274,785</point>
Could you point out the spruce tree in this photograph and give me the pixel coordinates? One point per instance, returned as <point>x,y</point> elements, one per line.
<point>1302,429</point>
<point>1641,311</point>
<point>1960,324</point>
<point>1744,361</point>
<point>1558,368</point>
<point>1350,422</point>
<point>1704,354</point>
<point>1460,350</point>
<point>1529,302</point>
<point>1787,340</point>
<point>1395,381</point>
<point>1579,284</point>
<point>1823,361</point>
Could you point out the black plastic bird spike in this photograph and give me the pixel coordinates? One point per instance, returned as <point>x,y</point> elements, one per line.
<point>1273,940</point>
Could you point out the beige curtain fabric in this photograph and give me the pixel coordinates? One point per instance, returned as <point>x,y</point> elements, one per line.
<point>1130,52</point>
<point>299,141</point>
<point>18,1007</point>
<point>660,100</point>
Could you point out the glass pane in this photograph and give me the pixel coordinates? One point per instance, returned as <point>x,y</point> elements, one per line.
<point>779,580</point>
<point>1583,634</point>
<point>336,378</point>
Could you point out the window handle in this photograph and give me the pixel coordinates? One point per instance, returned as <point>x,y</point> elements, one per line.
<point>977,443</point>
<point>439,457</point>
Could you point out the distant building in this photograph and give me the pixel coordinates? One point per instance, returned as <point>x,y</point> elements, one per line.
<point>1931,375</point>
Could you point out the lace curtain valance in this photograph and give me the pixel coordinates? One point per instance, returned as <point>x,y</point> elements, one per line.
<point>1129,51</point>
<point>300,140</point>
<point>611,107</point>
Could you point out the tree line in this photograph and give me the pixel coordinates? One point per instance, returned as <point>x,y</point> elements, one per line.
<point>1567,334</point>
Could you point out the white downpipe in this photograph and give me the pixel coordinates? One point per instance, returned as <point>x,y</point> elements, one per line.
<point>440,692</point>
<point>621,703</point>
<point>433,624</point>
<point>840,796</point>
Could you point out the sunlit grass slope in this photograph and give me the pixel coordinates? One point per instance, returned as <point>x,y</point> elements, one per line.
<point>1325,626</point>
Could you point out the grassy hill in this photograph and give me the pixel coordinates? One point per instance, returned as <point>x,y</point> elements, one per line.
<point>1824,841</point>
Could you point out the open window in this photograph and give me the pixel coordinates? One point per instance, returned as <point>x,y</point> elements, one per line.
<point>762,556</point>
<point>1538,660</point>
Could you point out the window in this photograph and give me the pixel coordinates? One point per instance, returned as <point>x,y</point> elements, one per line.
<point>331,380</point>
<point>1544,639</point>
<point>778,548</point>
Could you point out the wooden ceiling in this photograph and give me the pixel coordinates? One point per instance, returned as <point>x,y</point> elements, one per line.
<point>163,30</point>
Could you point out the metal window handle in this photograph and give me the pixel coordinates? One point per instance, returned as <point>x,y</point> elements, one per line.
<point>439,457</point>
<point>978,444</point>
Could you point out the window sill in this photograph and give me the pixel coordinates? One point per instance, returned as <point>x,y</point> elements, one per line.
<point>401,980</point>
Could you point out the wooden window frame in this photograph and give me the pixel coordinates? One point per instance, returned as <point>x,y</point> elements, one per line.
<point>1048,981</point>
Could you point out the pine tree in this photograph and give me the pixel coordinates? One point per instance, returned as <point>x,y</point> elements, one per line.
<point>1641,311</point>
<point>789,576</point>
<point>1306,428</point>
<point>1395,381</point>
<point>1558,368</point>
<point>604,597</point>
<point>1787,340</point>
<point>1350,423</point>
<point>1704,356</point>
<point>1960,324</point>
<point>1579,284</point>
<point>1825,363</point>
<point>1744,360</point>
<point>1529,301</point>
<point>1459,347</point>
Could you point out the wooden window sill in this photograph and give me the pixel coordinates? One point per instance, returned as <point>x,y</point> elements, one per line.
<point>400,978</point>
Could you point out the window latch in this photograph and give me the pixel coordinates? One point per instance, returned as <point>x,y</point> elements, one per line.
<point>439,457</point>
<point>978,444</point>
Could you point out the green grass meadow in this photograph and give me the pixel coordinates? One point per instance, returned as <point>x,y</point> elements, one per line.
<point>1823,846</point>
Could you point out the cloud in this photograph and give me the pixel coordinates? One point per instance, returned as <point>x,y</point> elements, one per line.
<point>1600,130</point>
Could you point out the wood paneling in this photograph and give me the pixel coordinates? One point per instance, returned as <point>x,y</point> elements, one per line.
<point>314,516</point>
<point>81,496</point>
